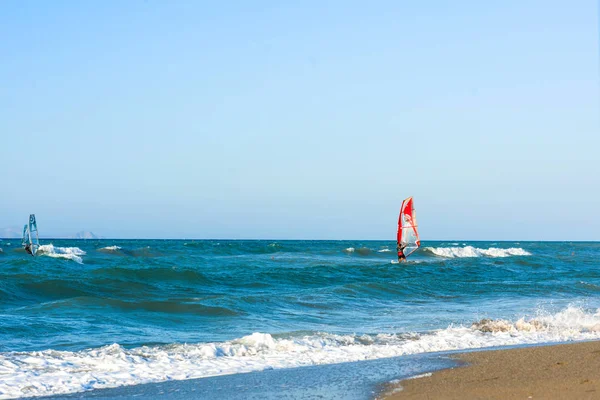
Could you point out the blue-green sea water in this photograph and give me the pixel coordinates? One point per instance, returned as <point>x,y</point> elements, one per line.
<point>87,314</point>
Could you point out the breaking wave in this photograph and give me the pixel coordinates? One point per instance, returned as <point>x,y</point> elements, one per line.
<point>470,251</point>
<point>361,251</point>
<point>111,248</point>
<point>50,372</point>
<point>71,253</point>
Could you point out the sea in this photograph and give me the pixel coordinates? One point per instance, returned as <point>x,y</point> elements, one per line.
<point>214,318</point>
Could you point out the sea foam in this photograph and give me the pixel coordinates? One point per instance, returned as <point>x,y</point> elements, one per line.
<point>48,372</point>
<point>111,248</point>
<point>71,253</point>
<point>470,251</point>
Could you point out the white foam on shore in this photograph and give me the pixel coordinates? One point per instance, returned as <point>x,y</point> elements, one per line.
<point>40,373</point>
<point>396,387</point>
<point>425,375</point>
<point>71,253</point>
<point>470,251</point>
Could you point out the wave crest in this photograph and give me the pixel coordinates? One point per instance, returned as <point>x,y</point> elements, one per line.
<point>70,253</point>
<point>470,251</point>
<point>361,251</point>
<point>560,323</point>
<point>111,248</point>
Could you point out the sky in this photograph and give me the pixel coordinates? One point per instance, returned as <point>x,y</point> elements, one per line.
<point>308,120</point>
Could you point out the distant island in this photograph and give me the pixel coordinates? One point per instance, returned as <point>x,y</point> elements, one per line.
<point>10,232</point>
<point>86,235</point>
<point>14,233</point>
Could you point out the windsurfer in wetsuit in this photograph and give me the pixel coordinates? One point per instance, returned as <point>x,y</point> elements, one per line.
<point>28,248</point>
<point>400,247</point>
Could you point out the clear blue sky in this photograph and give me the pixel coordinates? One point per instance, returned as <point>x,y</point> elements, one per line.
<point>308,120</point>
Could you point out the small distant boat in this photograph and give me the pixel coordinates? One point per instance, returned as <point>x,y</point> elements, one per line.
<point>31,240</point>
<point>408,235</point>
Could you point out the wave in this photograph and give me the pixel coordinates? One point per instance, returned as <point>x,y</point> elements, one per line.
<point>70,253</point>
<point>52,372</point>
<point>153,274</point>
<point>110,248</point>
<point>117,250</point>
<point>182,306</point>
<point>362,251</point>
<point>470,251</point>
<point>588,285</point>
<point>144,252</point>
<point>141,252</point>
<point>240,247</point>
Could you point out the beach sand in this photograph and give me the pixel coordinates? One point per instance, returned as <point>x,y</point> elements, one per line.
<point>566,371</point>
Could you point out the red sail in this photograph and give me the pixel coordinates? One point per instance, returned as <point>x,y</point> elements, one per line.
<point>408,236</point>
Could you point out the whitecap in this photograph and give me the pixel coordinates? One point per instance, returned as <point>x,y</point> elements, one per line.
<point>71,253</point>
<point>470,251</point>
<point>111,248</point>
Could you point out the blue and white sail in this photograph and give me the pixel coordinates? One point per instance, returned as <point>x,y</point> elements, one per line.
<point>30,236</point>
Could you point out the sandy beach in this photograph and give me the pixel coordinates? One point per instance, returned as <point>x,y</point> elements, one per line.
<point>566,371</point>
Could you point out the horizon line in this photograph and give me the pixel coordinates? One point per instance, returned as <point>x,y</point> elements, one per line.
<point>313,240</point>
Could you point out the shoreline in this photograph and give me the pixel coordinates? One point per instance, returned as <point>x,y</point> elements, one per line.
<point>357,380</point>
<point>554,371</point>
<point>548,371</point>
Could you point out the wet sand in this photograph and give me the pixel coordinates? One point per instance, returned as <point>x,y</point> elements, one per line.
<point>566,371</point>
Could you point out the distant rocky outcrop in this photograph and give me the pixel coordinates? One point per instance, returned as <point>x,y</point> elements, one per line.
<point>86,235</point>
<point>10,232</point>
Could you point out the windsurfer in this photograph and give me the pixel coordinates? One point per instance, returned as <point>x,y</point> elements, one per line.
<point>400,248</point>
<point>28,248</point>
